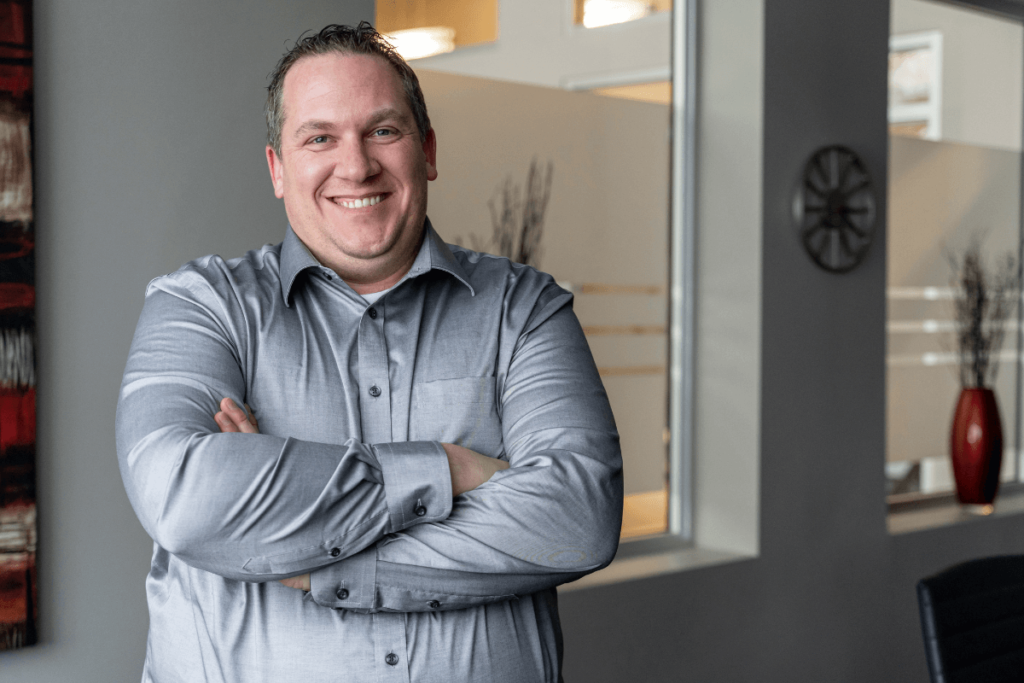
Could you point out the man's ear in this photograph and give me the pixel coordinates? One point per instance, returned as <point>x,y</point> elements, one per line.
<point>276,172</point>
<point>430,151</point>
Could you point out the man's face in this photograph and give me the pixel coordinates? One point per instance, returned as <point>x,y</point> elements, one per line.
<point>352,171</point>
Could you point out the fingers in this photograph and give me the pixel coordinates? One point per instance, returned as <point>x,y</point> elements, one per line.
<point>232,418</point>
<point>470,469</point>
<point>225,423</point>
<point>299,582</point>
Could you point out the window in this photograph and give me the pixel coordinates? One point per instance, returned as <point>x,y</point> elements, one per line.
<point>954,176</point>
<point>577,121</point>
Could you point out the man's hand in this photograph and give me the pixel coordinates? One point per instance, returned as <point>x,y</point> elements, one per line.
<point>469,469</point>
<point>231,418</point>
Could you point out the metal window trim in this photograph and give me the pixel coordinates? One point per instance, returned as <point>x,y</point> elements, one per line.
<point>683,280</point>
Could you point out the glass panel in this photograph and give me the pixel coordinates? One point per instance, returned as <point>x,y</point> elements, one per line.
<point>586,125</point>
<point>955,113</point>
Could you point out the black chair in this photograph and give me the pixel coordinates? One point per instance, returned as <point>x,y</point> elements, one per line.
<point>972,615</point>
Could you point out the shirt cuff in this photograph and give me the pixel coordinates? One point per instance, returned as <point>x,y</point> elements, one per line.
<point>417,482</point>
<point>348,584</point>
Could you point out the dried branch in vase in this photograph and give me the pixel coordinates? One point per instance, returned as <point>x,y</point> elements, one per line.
<point>517,218</point>
<point>983,301</point>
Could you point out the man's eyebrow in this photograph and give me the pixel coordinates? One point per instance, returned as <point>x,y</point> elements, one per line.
<point>310,126</point>
<point>385,114</point>
<point>316,125</point>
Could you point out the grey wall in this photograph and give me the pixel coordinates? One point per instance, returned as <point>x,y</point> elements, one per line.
<point>149,152</point>
<point>831,595</point>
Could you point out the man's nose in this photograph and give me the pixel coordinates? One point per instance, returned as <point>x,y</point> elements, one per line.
<point>355,163</point>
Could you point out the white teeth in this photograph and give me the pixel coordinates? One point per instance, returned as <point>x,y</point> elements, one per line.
<point>360,203</point>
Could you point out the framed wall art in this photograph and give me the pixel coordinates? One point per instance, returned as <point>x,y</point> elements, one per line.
<point>18,613</point>
<point>915,85</point>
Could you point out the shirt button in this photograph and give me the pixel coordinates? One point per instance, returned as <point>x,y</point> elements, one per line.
<point>391,659</point>
<point>328,276</point>
<point>420,511</point>
<point>335,552</point>
<point>433,604</point>
<point>375,391</point>
<point>373,313</point>
<point>342,594</point>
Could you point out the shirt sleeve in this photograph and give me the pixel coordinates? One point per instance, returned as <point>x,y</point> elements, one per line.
<point>552,517</point>
<point>250,507</point>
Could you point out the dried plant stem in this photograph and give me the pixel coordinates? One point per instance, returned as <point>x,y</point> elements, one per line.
<point>517,216</point>
<point>982,305</point>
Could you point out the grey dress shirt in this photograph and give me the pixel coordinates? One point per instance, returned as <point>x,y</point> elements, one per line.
<point>348,480</point>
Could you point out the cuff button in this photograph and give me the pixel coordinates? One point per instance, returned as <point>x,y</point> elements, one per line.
<point>391,659</point>
<point>335,552</point>
<point>420,511</point>
<point>433,604</point>
<point>342,594</point>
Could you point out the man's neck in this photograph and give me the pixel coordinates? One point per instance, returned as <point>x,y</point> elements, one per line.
<point>389,281</point>
<point>386,276</point>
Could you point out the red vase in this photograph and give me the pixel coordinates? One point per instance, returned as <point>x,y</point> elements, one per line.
<point>976,446</point>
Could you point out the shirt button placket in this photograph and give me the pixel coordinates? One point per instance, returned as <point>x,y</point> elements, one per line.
<point>389,634</point>
<point>375,399</point>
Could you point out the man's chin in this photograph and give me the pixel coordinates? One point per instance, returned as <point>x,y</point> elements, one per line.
<point>367,252</point>
<point>377,246</point>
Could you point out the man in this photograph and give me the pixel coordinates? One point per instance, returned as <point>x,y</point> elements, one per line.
<point>434,453</point>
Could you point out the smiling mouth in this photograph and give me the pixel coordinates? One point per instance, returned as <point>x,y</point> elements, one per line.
<point>360,203</point>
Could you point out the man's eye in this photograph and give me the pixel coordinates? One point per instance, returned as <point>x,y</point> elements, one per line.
<point>383,133</point>
<point>319,139</point>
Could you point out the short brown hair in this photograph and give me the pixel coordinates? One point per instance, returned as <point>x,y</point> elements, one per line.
<point>362,40</point>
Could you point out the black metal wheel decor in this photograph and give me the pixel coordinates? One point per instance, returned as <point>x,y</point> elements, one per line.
<point>835,209</point>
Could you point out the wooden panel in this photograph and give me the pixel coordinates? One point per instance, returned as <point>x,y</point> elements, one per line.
<point>659,92</point>
<point>644,514</point>
<point>474,21</point>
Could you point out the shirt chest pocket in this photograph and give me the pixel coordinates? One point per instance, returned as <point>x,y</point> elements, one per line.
<point>460,411</point>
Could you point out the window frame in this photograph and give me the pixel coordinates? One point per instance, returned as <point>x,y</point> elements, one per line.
<point>911,503</point>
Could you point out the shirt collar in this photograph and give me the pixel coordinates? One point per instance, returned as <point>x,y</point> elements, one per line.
<point>433,254</point>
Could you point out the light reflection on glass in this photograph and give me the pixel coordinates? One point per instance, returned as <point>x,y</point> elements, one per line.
<point>606,12</point>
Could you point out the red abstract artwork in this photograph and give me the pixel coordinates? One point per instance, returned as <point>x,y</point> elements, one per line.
<point>18,613</point>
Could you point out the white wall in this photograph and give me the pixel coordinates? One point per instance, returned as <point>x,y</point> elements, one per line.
<point>983,70</point>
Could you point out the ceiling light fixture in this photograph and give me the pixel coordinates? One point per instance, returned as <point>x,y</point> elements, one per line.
<point>606,12</point>
<point>417,43</point>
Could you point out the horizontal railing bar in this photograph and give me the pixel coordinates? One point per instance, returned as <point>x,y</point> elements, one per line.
<point>601,330</point>
<point>924,293</point>
<point>624,370</point>
<point>944,358</point>
<point>603,288</point>
<point>932,326</point>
